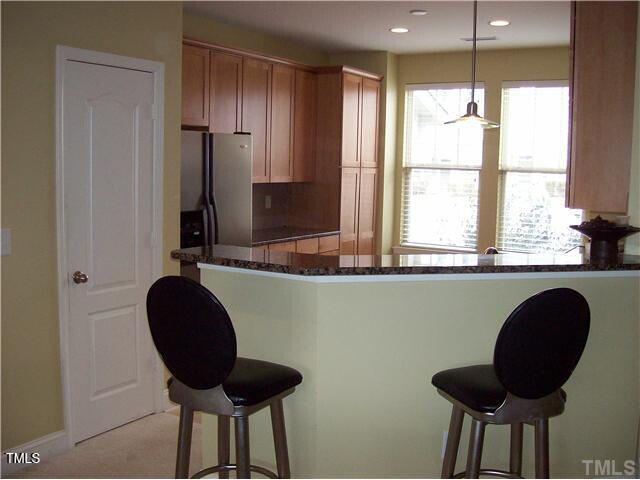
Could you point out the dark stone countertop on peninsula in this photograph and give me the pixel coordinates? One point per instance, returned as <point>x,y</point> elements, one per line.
<point>304,264</point>
<point>286,234</point>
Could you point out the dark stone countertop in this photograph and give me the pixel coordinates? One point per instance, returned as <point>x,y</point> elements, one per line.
<point>304,264</point>
<point>287,234</point>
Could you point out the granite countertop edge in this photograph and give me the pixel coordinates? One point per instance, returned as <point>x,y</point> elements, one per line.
<point>395,270</point>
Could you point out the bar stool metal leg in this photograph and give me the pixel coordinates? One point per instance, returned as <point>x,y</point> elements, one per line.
<point>515,457</point>
<point>184,442</point>
<point>453,442</point>
<point>224,440</point>
<point>280,439</point>
<point>243,456</point>
<point>476,440</point>
<point>542,448</point>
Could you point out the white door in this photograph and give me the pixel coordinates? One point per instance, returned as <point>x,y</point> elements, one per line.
<point>107,148</point>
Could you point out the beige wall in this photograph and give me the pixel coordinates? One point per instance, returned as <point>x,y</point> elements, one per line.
<point>31,391</point>
<point>212,31</point>
<point>384,64</point>
<point>493,68</point>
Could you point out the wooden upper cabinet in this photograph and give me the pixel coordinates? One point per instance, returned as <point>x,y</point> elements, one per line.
<point>226,93</point>
<point>282,96</point>
<point>256,113</point>
<point>367,211</point>
<point>351,104</point>
<point>195,86</point>
<point>349,199</point>
<point>370,113</point>
<point>304,126</point>
<point>602,80</point>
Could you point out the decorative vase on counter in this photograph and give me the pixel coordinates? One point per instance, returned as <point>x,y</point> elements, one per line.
<point>604,236</point>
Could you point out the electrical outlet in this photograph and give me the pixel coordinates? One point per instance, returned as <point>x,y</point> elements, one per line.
<point>267,201</point>
<point>5,248</point>
<point>445,435</point>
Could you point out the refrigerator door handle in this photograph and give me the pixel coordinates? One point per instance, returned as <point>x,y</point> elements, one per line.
<point>206,187</point>
<point>211,196</point>
<point>205,226</point>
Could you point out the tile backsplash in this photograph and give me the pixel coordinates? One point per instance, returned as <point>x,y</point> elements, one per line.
<point>278,197</point>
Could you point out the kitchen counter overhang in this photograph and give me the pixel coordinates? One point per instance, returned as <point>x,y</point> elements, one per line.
<point>325,265</point>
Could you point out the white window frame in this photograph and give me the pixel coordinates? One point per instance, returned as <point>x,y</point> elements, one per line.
<point>423,247</point>
<point>502,172</point>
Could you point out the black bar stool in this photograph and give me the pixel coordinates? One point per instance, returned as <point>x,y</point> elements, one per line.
<point>536,352</point>
<point>195,338</point>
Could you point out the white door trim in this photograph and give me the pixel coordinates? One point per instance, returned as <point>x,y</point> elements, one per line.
<point>63,54</point>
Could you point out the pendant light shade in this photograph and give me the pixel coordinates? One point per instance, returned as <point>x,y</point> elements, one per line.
<point>471,118</point>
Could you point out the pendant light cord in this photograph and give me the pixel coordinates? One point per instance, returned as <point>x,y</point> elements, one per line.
<point>473,54</point>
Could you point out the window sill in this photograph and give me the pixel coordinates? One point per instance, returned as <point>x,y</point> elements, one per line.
<point>412,249</point>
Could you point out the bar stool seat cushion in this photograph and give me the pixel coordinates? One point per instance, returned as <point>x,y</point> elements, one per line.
<point>253,381</point>
<point>476,386</point>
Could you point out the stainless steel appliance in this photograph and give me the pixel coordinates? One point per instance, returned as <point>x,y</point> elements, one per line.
<point>216,191</point>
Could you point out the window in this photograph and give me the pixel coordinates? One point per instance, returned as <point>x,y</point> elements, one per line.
<point>441,168</point>
<point>533,162</point>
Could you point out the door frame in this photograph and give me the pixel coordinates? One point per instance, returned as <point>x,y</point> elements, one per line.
<point>63,54</point>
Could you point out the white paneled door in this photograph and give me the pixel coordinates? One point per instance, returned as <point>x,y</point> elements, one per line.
<point>107,148</point>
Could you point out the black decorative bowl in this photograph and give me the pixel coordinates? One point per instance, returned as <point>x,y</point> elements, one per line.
<point>604,236</point>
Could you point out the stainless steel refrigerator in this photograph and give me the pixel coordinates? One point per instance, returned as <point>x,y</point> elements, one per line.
<point>216,190</point>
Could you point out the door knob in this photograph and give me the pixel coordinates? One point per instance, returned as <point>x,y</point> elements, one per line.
<point>80,277</point>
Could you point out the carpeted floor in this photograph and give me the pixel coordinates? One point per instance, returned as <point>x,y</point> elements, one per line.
<point>145,448</point>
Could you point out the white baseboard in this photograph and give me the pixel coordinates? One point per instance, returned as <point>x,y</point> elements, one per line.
<point>167,404</point>
<point>48,446</point>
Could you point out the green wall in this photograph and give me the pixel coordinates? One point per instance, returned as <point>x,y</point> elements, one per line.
<point>633,242</point>
<point>31,389</point>
<point>367,351</point>
<point>494,67</point>
<point>212,31</point>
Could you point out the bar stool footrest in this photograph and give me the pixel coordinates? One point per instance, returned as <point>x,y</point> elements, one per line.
<point>232,467</point>
<point>491,473</point>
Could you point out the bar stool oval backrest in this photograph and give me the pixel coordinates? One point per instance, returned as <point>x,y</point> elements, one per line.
<point>192,332</point>
<point>541,342</point>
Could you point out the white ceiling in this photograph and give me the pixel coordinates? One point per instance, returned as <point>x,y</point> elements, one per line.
<point>342,26</point>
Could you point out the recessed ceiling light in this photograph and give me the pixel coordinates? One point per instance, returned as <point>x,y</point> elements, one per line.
<point>418,13</point>
<point>399,30</point>
<point>499,23</point>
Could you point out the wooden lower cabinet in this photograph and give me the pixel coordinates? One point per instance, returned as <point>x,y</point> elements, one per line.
<point>349,199</point>
<point>367,211</point>
<point>282,247</point>
<point>329,243</point>
<point>308,245</point>
<point>358,211</point>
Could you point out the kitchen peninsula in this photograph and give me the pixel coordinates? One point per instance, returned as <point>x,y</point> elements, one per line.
<point>368,332</point>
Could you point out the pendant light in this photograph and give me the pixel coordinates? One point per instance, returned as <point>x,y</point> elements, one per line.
<point>471,118</point>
